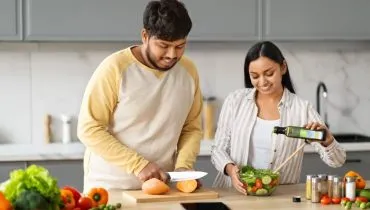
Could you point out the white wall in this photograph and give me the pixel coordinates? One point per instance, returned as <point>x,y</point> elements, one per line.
<point>49,78</point>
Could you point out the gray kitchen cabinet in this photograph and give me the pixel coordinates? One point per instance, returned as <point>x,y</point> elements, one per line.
<point>316,20</point>
<point>117,20</point>
<point>10,20</point>
<point>356,161</point>
<point>219,20</point>
<point>83,20</point>
<point>204,164</point>
<point>7,167</point>
<point>67,172</point>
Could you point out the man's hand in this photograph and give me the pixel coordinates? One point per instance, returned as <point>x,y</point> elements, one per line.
<point>152,170</point>
<point>199,184</point>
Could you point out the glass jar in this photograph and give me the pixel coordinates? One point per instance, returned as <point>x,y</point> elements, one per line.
<point>209,111</point>
<point>351,188</point>
<point>309,186</point>
<point>330,185</point>
<point>324,184</point>
<point>316,186</point>
<point>337,187</point>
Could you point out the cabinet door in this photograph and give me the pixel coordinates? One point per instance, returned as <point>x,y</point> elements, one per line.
<point>356,161</point>
<point>84,20</point>
<point>220,20</point>
<point>7,167</point>
<point>316,19</point>
<point>10,20</point>
<point>204,164</point>
<point>67,172</point>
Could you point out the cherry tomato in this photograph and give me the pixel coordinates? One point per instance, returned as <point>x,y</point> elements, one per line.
<point>325,200</point>
<point>362,199</point>
<point>336,200</point>
<point>259,183</point>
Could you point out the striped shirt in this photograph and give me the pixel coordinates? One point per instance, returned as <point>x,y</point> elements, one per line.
<point>235,126</point>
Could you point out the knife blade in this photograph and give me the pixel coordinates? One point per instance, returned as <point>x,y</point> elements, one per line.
<point>185,175</point>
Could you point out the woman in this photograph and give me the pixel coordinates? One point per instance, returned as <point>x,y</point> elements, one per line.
<point>248,116</point>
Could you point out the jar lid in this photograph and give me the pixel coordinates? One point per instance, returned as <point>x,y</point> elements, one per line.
<point>323,176</point>
<point>331,177</point>
<point>350,178</point>
<point>316,179</point>
<point>309,176</point>
<point>336,179</point>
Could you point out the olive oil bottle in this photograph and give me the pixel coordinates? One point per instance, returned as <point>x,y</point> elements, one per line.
<point>301,132</point>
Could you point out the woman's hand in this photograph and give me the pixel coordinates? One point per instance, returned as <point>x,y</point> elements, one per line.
<point>316,126</point>
<point>233,171</point>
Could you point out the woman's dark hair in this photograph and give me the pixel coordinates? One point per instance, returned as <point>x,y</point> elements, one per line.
<point>271,51</point>
<point>167,20</point>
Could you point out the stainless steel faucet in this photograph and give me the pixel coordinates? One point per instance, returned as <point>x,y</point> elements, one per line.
<point>320,86</point>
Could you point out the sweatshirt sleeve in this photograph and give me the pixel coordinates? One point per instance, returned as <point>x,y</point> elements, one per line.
<point>333,155</point>
<point>189,142</point>
<point>96,111</point>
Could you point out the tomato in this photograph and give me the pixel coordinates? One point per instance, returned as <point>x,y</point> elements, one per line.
<point>77,208</point>
<point>362,199</point>
<point>336,200</point>
<point>259,183</point>
<point>85,203</point>
<point>325,196</point>
<point>325,200</point>
<point>345,199</point>
<point>273,183</point>
<point>254,189</point>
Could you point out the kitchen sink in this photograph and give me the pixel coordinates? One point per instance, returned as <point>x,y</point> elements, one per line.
<point>351,137</point>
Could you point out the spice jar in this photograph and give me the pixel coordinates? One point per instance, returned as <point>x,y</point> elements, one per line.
<point>209,117</point>
<point>337,187</point>
<point>351,188</point>
<point>330,185</point>
<point>309,186</point>
<point>324,184</point>
<point>316,194</point>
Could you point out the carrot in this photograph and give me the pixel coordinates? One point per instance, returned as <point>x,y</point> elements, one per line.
<point>155,186</point>
<point>187,186</point>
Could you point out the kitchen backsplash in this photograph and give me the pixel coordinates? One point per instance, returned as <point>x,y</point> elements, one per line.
<point>49,78</point>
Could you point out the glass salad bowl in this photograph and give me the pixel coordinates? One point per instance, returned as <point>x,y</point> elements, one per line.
<point>259,182</point>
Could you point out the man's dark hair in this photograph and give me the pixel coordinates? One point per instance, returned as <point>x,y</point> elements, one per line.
<point>167,20</point>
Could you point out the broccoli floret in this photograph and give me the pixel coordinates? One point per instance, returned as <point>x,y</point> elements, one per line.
<point>30,200</point>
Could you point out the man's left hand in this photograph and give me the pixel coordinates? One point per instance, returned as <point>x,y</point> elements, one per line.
<point>199,184</point>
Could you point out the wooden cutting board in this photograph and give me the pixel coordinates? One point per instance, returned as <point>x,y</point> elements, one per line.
<point>139,196</point>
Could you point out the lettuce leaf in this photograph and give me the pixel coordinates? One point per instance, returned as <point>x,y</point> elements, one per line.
<point>33,178</point>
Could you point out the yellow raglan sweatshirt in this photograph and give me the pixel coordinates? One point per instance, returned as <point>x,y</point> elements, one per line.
<point>132,115</point>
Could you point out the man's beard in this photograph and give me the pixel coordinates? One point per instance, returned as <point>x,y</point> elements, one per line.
<point>151,60</point>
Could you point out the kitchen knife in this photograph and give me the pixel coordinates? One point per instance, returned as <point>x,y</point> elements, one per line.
<point>185,175</point>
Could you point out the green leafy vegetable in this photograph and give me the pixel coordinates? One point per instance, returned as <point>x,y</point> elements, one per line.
<point>34,178</point>
<point>249,172</point>
<point>30,200</point>
<point>259,181</point>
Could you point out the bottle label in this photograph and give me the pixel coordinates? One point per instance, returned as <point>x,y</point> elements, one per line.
<point>310,134</point>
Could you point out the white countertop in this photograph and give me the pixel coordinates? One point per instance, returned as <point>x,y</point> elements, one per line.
<point>75,151</point>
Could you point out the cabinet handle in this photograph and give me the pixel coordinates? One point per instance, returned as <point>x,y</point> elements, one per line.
<point>353,161</point>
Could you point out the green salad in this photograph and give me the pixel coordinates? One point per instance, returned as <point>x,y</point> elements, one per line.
<point>259,181</point>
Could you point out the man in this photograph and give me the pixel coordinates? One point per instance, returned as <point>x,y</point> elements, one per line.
<point>141,111</point>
